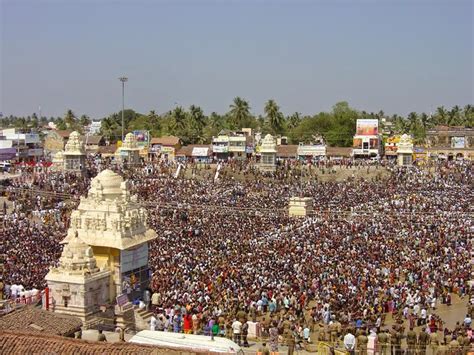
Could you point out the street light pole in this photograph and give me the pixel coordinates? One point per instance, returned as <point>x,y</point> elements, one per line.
<point>123,79</point>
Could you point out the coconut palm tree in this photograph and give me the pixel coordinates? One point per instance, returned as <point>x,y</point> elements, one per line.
<point>84,121</point>
<point>441,115</point>
<point>179,119</point>
<point>294,120</point>
<point>454,116</point>
<point>215,121</point>
<point>70,119</point>
<point>239,112</point>
<point>412,120</point>
<point>274,116</point>
<point>22,124</point>
<point>424,119</point>
<point>154,122</point>
<point>468,115</point>
<point>108,127</point>
<point>198,119</point>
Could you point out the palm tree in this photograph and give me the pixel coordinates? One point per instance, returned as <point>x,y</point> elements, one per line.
<point>441,115</point>
<point>468,115</point>
<point>179,119</point>
<point>274,116</point>
<point>60,124</point>
<point>215,121</point>
<point>424,119</point>
<point>197,117</point>
<point>34,122</point>
<point>154,122</point>
<point>240,112</point>
<point>70,119</point>
<point>84,121</point>
<point>21,123</point>
<point>454,116</point>
<point>412,120</point>
<point>294,120</point>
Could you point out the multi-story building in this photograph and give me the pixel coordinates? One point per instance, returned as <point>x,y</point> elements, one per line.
<point>237,145</point>
<point>367,140</point>
<point>27,146</point>
<point>443,142</point>
<point>220,146</point>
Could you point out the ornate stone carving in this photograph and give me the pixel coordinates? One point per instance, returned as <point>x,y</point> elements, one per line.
<point>74,145</point>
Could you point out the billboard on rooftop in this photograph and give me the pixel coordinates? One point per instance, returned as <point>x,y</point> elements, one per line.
<point>367,127</point>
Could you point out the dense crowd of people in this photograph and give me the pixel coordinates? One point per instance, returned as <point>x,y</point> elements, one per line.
<point>227,252</point>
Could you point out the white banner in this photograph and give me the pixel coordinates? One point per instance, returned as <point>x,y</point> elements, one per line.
<point>200,152</point>
<point>220,148</point>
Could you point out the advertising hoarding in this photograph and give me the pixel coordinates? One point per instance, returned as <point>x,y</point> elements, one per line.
<point>458,142</point>
<point>367,127</point>
<point>7,153</point>
<point>357,143</point>
<point>142,137</point>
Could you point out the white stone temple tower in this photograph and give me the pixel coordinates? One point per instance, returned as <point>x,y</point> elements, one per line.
<point>74,155</point>
<point>77,285</point>
<point>405,151</point>
<point>113,224</point>
<point>58,161</point>
<point>130,152</point>
<point>268,154</point>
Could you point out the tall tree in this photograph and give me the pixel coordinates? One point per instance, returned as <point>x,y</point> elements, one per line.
<point>454,116</point>
<point>412,120</point>
<point>468,115</point>
<point>294,120</point>
<point>34,122</point>
<point>70,119</point>
<point>239,113</point>
<point>179,119</point>
<point>198,119</point>
<point>274,116</point>
<point>424,119</point>
<point>441,115</point>
<point>84,121</point>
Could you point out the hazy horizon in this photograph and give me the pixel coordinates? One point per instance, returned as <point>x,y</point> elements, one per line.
<point>395,56</point>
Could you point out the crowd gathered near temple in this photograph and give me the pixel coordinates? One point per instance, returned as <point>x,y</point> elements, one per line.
<point>378,256</point>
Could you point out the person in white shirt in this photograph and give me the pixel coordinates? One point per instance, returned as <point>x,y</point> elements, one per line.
<point>153,322</point>
<point>350,342</point>
<point>236,329</point>
<point>423,315</point>
<point>467,321</point>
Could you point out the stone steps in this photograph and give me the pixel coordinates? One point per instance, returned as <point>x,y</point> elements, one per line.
<point>142,319</point>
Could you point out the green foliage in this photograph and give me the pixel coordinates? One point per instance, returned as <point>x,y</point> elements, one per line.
<point>337,127</point>
<point>239,114</point>
<point>275,118</point>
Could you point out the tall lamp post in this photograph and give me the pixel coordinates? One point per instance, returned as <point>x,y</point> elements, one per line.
<point>123,79</point>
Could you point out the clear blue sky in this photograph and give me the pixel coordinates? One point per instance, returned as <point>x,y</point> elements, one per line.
<point>399,56</point>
